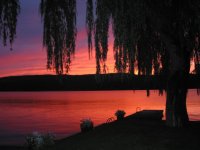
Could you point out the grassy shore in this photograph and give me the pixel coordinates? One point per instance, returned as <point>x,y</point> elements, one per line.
<point>132,134</point>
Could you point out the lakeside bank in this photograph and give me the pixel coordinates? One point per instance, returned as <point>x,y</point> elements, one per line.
<point>134,133</point>
<point>129,134</point>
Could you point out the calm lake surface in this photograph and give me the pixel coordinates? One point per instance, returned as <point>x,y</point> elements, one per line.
<point>22,113</point>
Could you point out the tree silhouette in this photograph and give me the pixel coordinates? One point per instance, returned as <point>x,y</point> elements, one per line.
<point>152,36</point>
<point>9,11</point>
<point>59,17</point>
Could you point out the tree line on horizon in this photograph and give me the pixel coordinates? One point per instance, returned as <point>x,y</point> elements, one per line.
<point>152,36</point>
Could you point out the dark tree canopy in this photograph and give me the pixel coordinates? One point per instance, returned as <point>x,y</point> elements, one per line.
<point>59,17</point>
<point>143,31</point>
<point>9,11</point>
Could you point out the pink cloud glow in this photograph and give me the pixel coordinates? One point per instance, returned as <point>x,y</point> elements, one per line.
<point>31,59</point>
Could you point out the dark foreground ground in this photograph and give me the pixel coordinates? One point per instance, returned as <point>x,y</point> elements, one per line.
<point>135,135</point>
<point>132,134</point>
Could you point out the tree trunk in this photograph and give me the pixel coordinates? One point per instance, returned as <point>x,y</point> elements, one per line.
<point>176,109</point>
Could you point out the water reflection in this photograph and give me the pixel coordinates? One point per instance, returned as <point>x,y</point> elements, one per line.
<point>60,112</point>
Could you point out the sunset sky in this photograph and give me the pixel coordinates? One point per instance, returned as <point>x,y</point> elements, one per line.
<point>29,57</point>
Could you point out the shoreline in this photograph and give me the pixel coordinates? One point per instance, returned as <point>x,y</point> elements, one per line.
<point>130,133</point>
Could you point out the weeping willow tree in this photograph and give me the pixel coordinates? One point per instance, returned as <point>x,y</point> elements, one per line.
<point>151,37</point>
<point>9,11</point>
<point>59,17</point>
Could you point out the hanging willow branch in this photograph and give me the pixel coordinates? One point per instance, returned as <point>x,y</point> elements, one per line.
<point>138,28</point>
<point>9,11</point>
<point>134,38</point>
<point>89,24</point>
<point>101,34</point>
<point>59,17</point>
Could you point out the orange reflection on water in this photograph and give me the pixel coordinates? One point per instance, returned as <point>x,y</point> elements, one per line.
<point>60,112</point>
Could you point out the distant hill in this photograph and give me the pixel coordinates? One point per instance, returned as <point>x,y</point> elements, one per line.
<point>87,82</point>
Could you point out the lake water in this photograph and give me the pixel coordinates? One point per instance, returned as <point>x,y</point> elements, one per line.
<point>22,113</point>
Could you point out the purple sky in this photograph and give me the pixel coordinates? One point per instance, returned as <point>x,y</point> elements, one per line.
<point>29,56</point>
